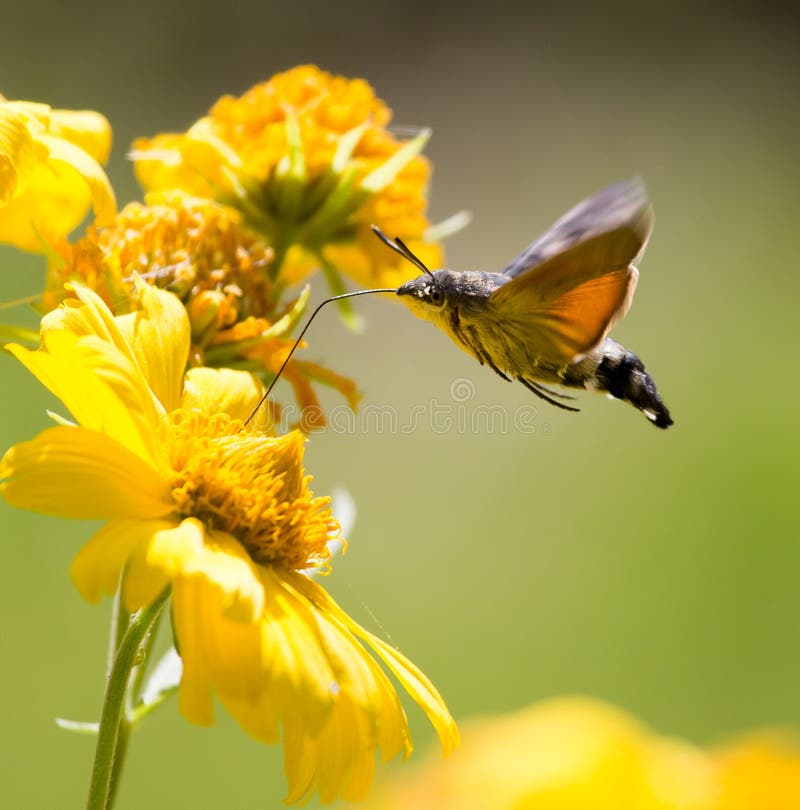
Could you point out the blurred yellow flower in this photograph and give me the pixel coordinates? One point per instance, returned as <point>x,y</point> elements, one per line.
<point>224,516</point>
<point>200,251</point>
<point>50,173</point>
<point>759,772</point>
<point>561,754</point>
<point>575,753</point>
<point>307,157</point>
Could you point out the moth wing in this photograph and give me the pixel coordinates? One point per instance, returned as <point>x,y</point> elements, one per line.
<point>565,306</point>
<point>622,208</point>
<point>580,319</point>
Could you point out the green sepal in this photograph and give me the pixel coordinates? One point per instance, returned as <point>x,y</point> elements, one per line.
<point>61,420</point>
<point>346,146</point>
<point>333,212</point>
<point>377,180</point>
<point>290,173</point>
<point>286,324</point>
<point>317,194</point>
<point>162,684</point>
<point>447,227</point>
<point>78,726</point>
<point>224,354</point>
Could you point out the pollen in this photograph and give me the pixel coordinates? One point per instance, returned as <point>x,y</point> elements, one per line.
<point>250,486</point>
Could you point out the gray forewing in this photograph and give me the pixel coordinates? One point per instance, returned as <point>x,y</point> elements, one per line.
<point>624,203</point>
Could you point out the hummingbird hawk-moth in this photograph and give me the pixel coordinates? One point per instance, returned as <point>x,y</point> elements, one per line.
<point>544,318</point>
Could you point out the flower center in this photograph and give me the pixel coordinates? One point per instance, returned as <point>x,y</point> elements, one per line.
<point>250,486</point>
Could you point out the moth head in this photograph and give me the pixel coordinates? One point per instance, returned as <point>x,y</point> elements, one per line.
<point>425,294</point>
<point>425,291</point>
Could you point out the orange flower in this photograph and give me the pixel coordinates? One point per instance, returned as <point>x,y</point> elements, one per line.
<point>307,157</point>
<point>200,251</point>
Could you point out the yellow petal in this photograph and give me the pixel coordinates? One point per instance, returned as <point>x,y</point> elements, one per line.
<point>53,204</point>
<point>195,696</point>
<point>89,315</point>
<point>197,162</point>
<point>260,720</point>
<point>221,390</point>
<point>412,678</point>
<point>227,650</point>
<point>18,154</point>
<point>46,182</point>
<point>102,391</point>
<point>291,642</point>
<point>87,129</point>
<point>78,473</point>
<point>159,336</point>
<point>190,550</point>
<point>90,171</point>
<point>97,567</point>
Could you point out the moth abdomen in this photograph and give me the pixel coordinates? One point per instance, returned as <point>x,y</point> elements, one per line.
<point>623,375</point>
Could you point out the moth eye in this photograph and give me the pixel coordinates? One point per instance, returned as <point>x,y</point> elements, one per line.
<point>436,297</point>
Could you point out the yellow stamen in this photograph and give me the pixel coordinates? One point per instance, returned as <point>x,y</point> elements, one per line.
<point>251,487</point>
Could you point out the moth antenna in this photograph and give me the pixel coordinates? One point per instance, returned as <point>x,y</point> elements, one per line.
<point>399,246</point>
<point>301,335</point>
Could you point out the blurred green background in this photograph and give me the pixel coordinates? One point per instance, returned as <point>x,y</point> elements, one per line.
<point>596,555</point>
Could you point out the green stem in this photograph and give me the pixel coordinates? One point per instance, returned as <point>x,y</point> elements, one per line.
<point>123,736</point>
<point>119,626</point>
<point>112,738</point>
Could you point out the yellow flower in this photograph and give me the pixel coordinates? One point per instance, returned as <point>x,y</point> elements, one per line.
<point>307,157</point>
<point>223,516</point>
<point>759,772</point>
<point>561,754</point>
<point>50,173</point>
<point>200,251</point>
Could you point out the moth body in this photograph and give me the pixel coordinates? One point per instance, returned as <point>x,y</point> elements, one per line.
<point>456,302</point>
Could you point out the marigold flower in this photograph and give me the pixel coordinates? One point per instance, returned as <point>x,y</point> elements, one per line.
<point>307,158</point>
<point>565,753</point>
<point>222,515</point>
<point>50,173</point>
<point>200,251</point>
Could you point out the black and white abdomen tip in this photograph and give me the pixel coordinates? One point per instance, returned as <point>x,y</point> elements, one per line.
<point>623,375</point>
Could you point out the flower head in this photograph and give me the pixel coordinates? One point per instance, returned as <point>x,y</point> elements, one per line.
<point>565,753</point>
<point>307,157</point>
<point>50,173</point>
<point>224,516</point>
<point>200,251</point>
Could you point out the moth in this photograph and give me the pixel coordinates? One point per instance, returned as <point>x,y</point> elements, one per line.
<point>544,319</point>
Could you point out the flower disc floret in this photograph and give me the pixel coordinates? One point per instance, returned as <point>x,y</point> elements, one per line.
<point>251,487</point>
